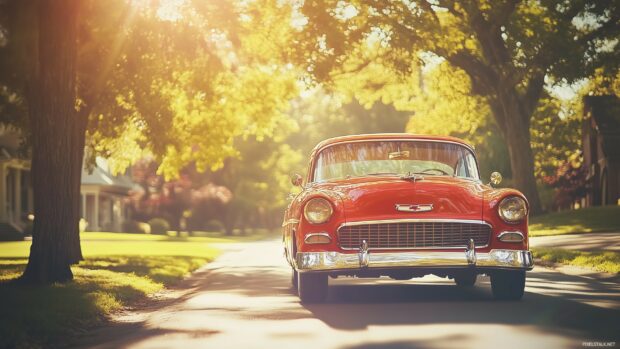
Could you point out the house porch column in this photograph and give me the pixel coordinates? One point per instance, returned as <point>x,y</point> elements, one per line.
<point>96,218</point>
<point>3,193</point>
<point>17,182</point>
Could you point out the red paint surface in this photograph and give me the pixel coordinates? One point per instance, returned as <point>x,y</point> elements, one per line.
<point>374,198</point>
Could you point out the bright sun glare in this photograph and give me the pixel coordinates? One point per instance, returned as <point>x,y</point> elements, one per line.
<point>170,10</point>
<point>167,10</point>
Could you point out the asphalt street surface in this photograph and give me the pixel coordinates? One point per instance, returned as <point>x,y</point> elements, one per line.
<point>245,300</point>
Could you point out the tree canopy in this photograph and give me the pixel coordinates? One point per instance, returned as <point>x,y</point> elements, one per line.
<point>156,84</point>
<point>508,50</point>
<point>141,81</point>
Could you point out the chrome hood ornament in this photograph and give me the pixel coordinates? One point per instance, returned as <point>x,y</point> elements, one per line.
<point>414,208</point>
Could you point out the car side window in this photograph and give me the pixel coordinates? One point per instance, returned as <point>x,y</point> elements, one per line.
<point>460,169</point>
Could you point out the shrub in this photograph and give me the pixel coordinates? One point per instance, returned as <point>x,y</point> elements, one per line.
<point>135,227</point>
<point>214,225</point>
<point>159,226</point>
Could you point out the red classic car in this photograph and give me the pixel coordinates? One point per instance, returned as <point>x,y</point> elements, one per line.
<point>403,206</point>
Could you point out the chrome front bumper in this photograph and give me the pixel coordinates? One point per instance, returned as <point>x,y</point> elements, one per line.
<point>333,261</point>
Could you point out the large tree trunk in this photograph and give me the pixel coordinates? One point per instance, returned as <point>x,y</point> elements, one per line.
<point>522,164</point>
<point>514,122</point>
<point>58,132</point>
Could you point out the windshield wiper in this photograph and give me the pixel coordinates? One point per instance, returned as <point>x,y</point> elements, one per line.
<point>382,174</point>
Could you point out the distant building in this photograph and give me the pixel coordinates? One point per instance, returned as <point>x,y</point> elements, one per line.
<point>601,149</point>
<point>15,189</point>
<point>104,196</point>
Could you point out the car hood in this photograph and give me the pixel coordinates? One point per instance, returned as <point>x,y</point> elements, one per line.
<point>375,198</point>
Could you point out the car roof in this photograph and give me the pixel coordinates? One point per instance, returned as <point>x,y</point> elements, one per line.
<point>388,136</point>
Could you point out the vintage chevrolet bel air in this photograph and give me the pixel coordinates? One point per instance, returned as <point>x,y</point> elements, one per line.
<point>403,206</point>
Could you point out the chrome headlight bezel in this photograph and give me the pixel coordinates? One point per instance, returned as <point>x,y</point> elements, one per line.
<point>512,209</point>
<point>318,210</point>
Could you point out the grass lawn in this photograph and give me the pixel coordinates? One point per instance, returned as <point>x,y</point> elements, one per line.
<point>605,261</point>
<point>587,220</point>
<point>119,270</point>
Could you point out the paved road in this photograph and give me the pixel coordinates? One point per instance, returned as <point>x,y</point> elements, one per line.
<point>243,300</point>
<point>584,242</point>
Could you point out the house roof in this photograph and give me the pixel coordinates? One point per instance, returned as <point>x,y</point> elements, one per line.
<point>100,175</point>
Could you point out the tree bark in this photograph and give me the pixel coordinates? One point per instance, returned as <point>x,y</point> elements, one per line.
<point>513,119</point>
<point>512,113</point>
<point>58,136</point>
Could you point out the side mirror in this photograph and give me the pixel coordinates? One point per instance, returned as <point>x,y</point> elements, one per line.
<point>496,178</point>
<point>296,180</point>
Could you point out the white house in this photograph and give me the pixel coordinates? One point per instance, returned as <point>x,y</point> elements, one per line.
<point>104,196</point>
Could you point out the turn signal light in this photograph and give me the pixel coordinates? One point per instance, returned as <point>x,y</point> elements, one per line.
<point>511,236</point>
<point>317,238</point>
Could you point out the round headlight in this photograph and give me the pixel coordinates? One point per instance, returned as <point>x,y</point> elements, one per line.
<point>512,209</point>
<point>318,210</point>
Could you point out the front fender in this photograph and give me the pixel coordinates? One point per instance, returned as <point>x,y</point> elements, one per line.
<point>492,199</point>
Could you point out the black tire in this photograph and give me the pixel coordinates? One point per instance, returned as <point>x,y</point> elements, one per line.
<point>467,279</point>
<point>294,277</point>
<point>312,287</point>
<point>508,284</point>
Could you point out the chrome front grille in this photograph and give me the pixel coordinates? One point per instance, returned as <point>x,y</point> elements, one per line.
<point>427,234</point>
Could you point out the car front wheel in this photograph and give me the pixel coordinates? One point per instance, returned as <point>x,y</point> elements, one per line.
<point>508,284</point>
<point>465,279</point>
<point>312,287</point>
<point>294,278</point>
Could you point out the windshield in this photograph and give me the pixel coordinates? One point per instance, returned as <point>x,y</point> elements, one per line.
<point>359,159</point>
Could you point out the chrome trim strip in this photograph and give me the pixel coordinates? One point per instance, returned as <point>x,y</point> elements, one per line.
<point>465,145</point>
<point>419,220</point>
<point>333,261</point>
<point>415,220</point>
<point>470,253</point>
<point>317,234</point>
<point>363,255</point>
<point>290,221</point>
<point>511,232</point>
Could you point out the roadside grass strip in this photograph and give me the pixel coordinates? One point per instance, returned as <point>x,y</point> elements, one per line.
<point>602,261</point>
<point>114,275</point>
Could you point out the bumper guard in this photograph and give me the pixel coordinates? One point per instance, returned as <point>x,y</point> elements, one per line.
<point>334,261</point>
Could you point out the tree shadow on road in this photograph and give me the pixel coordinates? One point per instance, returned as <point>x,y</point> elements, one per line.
<point>241,295</point>
<point>554,302</point>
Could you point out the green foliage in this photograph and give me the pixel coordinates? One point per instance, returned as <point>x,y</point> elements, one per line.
<point>446,105</point>
<point>159,226</point>
<point>259,180</point>
<point>565,40</point>
<point>556,139</point>
<point>508,49</point>
<point>190,86</point>
<point>604,81</point>
<point>214,225</point>
<point>322,115</point>
<point>135,227</point>
<point>156,84</point>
